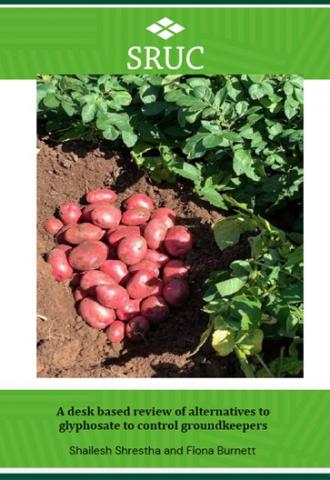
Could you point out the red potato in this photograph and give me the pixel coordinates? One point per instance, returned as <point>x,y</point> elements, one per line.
<point>64,247</point>
<point>81,232</point>
<point>167,215</point>
<point>178,241</point>
<point>120,232</point>
<point>143,284</point>
<point>70,212</point>
<point>112,296</point>
<point>137,329</point>
<point>105,216</point>
<point>61,269</point>
<point>155,309</point>
<point>53,225</point>
<point>175,269</point>
<point>130,309</point>
<point>88,256</point>
<point>139,200</point>
<point>155,233</point>
<point>145,265</point>
<point>79,294</point>
<point>116,269</point>
<point>96,315</point>
<point>101,195</point>
<point>132,250</point>
<point>176,292</point>
<point>136,216</point>
<point>158,257</point>
<point>92,278</point>
<point>86,211</point>
<point>116,331</point>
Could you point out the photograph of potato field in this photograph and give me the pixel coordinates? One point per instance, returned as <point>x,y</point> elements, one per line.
<point>170,226</point>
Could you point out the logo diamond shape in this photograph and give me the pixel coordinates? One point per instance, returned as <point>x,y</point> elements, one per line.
<point>165,22</point>
<point>165,28</point>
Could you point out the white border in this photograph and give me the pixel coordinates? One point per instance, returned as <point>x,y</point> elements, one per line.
<point>141,5</point>
<point>17,241</point>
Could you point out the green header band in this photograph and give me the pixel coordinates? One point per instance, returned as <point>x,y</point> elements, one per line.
<point>162,476</point>
<point>162,429</point>
<point>226,40</point>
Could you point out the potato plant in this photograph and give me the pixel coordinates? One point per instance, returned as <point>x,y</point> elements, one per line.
<point>126,272</point>
<point>257,298</point>
<point>237,134</point>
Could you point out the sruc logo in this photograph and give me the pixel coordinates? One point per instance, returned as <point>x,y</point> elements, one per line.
<point>172,58</point>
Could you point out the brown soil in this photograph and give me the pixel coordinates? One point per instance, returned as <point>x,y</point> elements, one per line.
<point>67,347</point>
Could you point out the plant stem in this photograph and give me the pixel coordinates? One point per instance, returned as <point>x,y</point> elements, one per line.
<point>264,365</point>
<point>245,366</point>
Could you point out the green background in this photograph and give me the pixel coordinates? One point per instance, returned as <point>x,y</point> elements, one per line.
<point>298,433</point>
<point>248,40</point>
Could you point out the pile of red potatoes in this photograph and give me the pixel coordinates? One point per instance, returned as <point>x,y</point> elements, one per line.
<point>125,265</point>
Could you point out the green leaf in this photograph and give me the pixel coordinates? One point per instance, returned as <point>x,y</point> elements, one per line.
<point>228,287</point>
<point>251,343</point>
<point>268,89</point>
<point>243,164</point>
<point>290,109</point>
<point>120,121</point>
<point>241,107</point>
<point>257,91</point>
<point>231,136</point>
<point>240,268</point>
<point>174,96</point>
<point>257,78</point>
<point>248,310</point>
<point>103,121</point>
<point>288,88</point>
<point>227,232</point>
<point>194,147</point>
<point>220,97</point>
<point>296,257</point>
<point>189,171</point>
<point>110,133</point>
<point>212,141</point>
<point>299,95</point>
<point>210,294</point>
<point>68,107</point>
<point>223,341</point>
<point>275,129</point>
<point>242,161</point>
<point>204,93</point>
<point>198,82</point>
<point>122,98</point>
<point>213,197</point>
<point>88,112</point>
<point>51,101</point>
<point>129,138</point>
